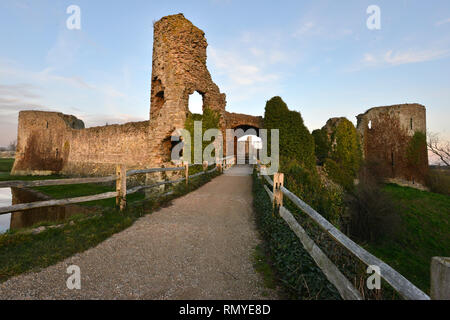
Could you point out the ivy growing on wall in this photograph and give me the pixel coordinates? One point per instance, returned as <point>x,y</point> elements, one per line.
<point>416,153</point>
<point>210,120</point>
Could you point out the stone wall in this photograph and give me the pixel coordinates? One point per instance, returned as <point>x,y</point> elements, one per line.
<point>48,143</point>
<point>234,120</point>
<point>385,134</point>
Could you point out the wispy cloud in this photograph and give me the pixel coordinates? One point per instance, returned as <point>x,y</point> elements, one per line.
<point>441,22</point>
<point>238,71</point>
<point>307,28</point>
<point>396,58</point>
<point>95,104</point>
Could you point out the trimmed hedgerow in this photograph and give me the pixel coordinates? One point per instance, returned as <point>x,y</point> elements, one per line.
<point>295,140</point>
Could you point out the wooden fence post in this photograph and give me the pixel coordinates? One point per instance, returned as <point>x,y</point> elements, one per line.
<point>121,187</point>
<point>278,182</point>
<point>440,278</point>
<point>186,172</point>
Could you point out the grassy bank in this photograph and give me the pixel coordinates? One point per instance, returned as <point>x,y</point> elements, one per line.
<point>6,165</point>
<point>22,251</point>
<point>425,233</point>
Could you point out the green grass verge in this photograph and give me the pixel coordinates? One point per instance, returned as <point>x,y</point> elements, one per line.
<point>425,233</point>
<point>6,164</point>
<point>23,251</point>
<point>80,190</point>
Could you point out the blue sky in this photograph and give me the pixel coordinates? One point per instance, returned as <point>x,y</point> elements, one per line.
<point>319,56</point>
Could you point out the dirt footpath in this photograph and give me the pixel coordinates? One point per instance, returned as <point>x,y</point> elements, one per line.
<point>200,247</point>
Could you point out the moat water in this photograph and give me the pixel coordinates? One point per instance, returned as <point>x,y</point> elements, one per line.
<point>5,200</point>
<point>29,218</point>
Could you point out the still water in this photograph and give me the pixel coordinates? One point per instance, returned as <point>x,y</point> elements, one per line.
<point>29,218</point>
<point>5,200</point>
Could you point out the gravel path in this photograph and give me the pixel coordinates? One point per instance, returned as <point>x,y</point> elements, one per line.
<point>198,248</point>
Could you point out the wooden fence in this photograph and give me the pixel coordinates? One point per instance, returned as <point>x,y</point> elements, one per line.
<point>121,185</point>
<point>346,289</point>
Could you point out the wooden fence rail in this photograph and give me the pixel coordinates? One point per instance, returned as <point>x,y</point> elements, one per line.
<point>56,182</point>
<point>60,202</point>
<point>404,287</point>
<point>121,186</point>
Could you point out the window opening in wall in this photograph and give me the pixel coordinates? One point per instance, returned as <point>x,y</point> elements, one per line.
<point>195,103</point>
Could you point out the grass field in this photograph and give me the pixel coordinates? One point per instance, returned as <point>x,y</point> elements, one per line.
<point>6,165</point>
<point>425,233</point>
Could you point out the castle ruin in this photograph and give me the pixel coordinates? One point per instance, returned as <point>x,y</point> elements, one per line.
<point>54,143</point>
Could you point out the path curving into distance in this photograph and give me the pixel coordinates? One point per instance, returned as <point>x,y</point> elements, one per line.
<point>200,247</point>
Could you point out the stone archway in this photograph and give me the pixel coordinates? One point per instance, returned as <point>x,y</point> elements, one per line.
<point>244,138</point>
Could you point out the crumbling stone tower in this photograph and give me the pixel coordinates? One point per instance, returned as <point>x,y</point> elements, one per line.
<point>178,70</point>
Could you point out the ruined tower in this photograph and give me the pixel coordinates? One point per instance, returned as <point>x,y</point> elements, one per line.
<point>386,133</point>
<point>178,70</point>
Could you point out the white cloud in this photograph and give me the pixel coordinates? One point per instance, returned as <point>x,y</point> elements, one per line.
<point>306,28</point>
<point>396,58</point>
<point>22,89</point>
<point>440,23</point>
<point>232,65</point>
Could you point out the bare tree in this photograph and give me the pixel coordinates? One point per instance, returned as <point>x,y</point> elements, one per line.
<point>439,148</point>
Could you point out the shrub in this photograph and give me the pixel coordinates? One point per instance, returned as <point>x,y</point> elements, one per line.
<point>298,160</point>
<point>322,145</point>
<point>295,140</point>
<point>438,180</point>
<point>373,215</point>
<point>347,151</point>
<point>306,185</point>
<point>345,157</point>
